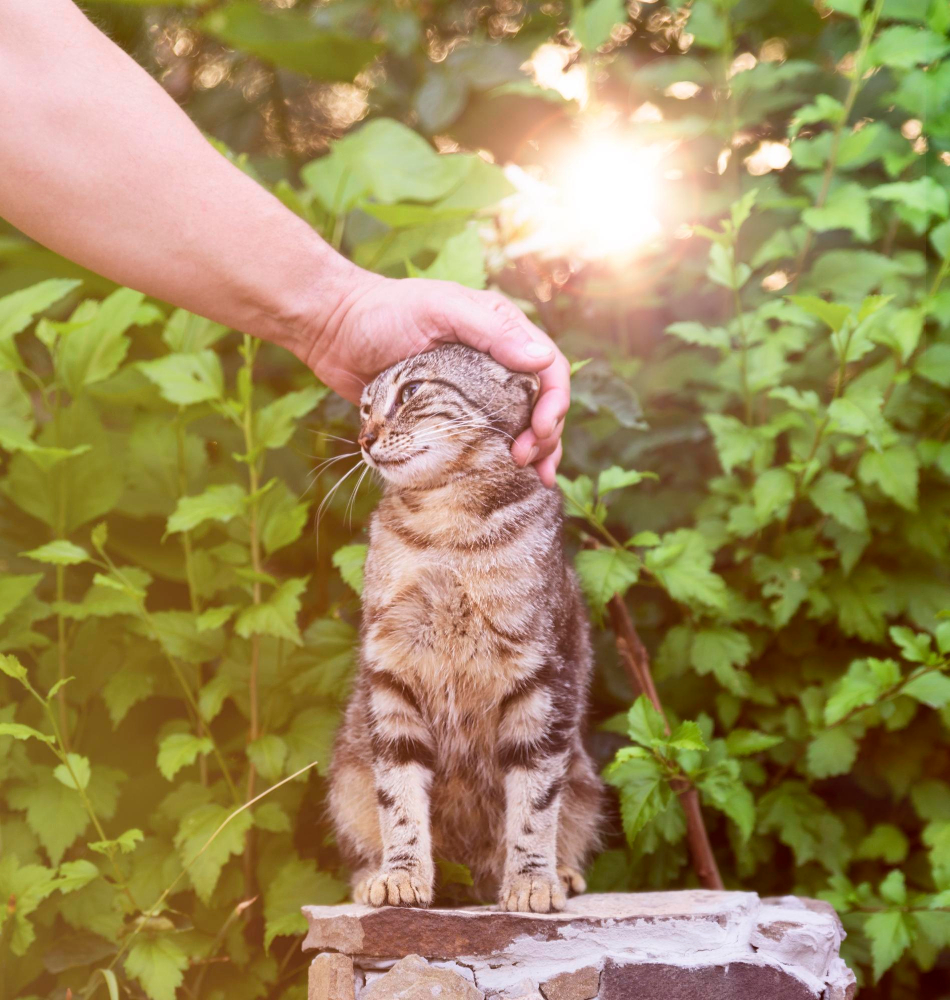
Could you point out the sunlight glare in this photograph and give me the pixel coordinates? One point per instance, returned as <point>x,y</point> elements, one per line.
<point>609,192</point>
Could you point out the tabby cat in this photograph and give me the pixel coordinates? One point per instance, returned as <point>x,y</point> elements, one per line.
<point>462,737</point>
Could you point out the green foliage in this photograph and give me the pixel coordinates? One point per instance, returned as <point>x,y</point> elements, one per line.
<point>764,484</point>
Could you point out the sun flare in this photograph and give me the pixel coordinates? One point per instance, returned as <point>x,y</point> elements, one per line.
<point>609,192</point>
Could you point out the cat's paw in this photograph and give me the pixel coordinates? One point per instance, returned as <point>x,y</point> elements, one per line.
<point>572,880</point>
<point>539,892</point>
<point>394,888</point>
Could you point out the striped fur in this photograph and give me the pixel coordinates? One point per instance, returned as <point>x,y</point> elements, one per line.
<point>462,738</point>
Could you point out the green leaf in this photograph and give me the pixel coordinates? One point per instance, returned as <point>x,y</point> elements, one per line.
<point>14,590</point>
<point>59,553</point>
<point>894,471</point>
<point>78,771</point>
<point>18,309</point>
<point>702,336</point>
<point>687,736</point>
<point>275,423</point>
<point>605,572</point>
<point>198,830</point>
<point>158,963</point>
<point>290,39</point>
<point>593,23</point>
<point>281,518</point>
<point>915,646</point>
<point>217,503</point>
<point>934,365</point>
<point>186,379</point>
<point>721,651</point>
<point>932,689</point>
<point>771,494</point>
<point>94,350</point>
<point>889,934</point>
<point>885,842</point>
<point>349,560</point>
<point>736,443</point>
<point>616,478</point>
<point>179,750</point>
<point>682,564</point>
<point>186,333</point>
<point>296,884</point>
<point>894,889</point>
<point>461,259</point>
<point>74,875</point>
<point>831,752</point>
<point>126,843</point>
<point>832,313</point>
<point>277,616</point>
<point>864,683</point>
<point>903,47</point>
<point>21,732</point>
<point>851,8</point>
<point>644,723</point>
<point>643,791</point>
<point>12,667</point>
<point>723,789</point>
<point>923,195</point>
<point>54,812</point>
<point>832,494</point>
<point>847,207</point>
<point>707,24</point>
<point>267,754</point>
<point>454,873</point>
<point>743,742</point>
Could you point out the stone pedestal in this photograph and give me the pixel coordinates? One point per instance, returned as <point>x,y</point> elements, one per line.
<point>647,946</point>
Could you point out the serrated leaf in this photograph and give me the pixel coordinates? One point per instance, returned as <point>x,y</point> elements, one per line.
<point>644,722</point>
<point>349,560</point>
<point>605,572</point>
<point>275,423</point>
<point>683,563</point>
<point>296,884</point>
<point>21,732</point>
<point>736,443</point>
<point>723,789</point>
<point>592,23</point>
<point>267,754</point>
<point>94,350</point>
<point>217,503</point>
<point>885,842</point>
<point>643,791</point>
<point>832,494</point>
<point>687,736</point>
<point>903,47</point>
<point>894,471</point>
<point>743,742</point>
<point>865,682</point>
<point>186,379</point>
<point>79,771</point>
<point>159,964</point>
<point>932,689</point>
<point>178,750</point>
<point>196,831</point>
<point>126,842</point>
<point>831,752</point>
<point>277,616</point>
<point>59,553</point>
<point>889,934</point>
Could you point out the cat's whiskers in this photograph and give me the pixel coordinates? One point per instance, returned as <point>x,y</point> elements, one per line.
<point>352,501</point>
<point>326,500</point>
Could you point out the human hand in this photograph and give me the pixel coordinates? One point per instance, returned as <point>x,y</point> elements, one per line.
<point>383,320</point>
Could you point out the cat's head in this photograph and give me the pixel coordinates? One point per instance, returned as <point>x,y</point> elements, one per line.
<point>426,418</point>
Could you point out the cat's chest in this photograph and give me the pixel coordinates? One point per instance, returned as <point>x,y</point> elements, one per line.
<point>462,626</point>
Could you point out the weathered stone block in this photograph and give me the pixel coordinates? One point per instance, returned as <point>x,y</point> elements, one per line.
<point>331,978</point>
<point>664,945</point>
<point>412,978</point>
<point>584,984</point>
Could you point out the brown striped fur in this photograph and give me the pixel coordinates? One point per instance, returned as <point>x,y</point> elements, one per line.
<point>462,739</point>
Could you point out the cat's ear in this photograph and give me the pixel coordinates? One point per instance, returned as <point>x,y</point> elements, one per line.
<point>529,383</point>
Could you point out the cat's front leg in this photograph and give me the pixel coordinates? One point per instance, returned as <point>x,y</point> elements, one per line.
<point>534,758</point>
<point>402,770</point>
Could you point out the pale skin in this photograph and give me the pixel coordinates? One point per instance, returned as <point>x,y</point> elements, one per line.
<point>98,163</point>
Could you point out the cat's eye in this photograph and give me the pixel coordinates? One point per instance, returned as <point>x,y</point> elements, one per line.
<point>408,391</point>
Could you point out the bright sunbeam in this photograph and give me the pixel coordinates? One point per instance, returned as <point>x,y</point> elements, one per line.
<point>609,193</point>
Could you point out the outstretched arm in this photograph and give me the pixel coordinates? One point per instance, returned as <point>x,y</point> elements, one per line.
<point>98,163</point>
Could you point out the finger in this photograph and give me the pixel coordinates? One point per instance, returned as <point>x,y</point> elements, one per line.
<point>501,330</point>
<point>525,449</point>
<point>548,467</point>
<point>553,399</point>
<point>546,446</point>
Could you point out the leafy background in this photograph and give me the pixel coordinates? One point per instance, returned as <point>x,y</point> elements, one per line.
<point>758,445</point>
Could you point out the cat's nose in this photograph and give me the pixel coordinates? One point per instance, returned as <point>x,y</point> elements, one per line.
<point>367,438</point>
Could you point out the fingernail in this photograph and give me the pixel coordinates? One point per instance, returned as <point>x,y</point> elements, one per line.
<point>532,455</point>
<point>535,350</point>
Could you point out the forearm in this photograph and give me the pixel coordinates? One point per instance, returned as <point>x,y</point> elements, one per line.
<point>99,164</point>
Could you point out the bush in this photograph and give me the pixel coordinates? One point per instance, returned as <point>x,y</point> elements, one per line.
<point>758,446</point>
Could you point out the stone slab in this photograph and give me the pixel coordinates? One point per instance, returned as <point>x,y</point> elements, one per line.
<point>726,944</point>
<point>331,977</point>
<point>393,932</point>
